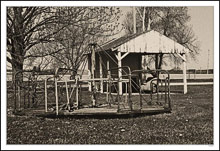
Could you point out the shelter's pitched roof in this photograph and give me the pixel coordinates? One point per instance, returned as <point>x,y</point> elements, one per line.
<point>119,41</point>
<point>147,42</point>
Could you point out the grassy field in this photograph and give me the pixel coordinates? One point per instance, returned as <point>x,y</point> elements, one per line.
<point>191,122</point>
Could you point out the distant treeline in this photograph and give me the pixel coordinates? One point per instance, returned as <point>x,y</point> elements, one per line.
<point>51,72</point>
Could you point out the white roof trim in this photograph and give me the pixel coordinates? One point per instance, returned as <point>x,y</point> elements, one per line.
<point>152,42</point>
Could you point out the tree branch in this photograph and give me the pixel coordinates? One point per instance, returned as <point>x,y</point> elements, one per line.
<point>42,55</point>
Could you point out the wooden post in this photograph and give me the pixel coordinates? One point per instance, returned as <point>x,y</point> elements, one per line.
<point>93,74</point>
<point>165,90</point>
<point>108,66</point>
<point>107,91</point>
<point>130,93</point>
<point>93,64</point>
<point>118,95</point>
<point>169,100</point>
<point>67,95</point>
<point>45,87</point>
<point>56,95</point>
<point>107,83</point>
<point>126,92</point>
<point>140,92</point>
<point>77,93</point>
<point>100,71</point>
<point>89,83</point>
<point>184,75</point>
<point>80,94</point>
<point>157,87</point>
<point>119,73</point>
<point>110,90</point>
<point>144,67</point>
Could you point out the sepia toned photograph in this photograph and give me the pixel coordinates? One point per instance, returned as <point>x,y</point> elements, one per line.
<point>109,75</point>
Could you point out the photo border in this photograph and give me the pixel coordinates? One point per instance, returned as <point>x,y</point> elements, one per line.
<point>215,4</point>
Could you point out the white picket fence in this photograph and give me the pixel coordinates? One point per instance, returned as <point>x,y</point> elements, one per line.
<point>192,76</point>
<point>172,76</point>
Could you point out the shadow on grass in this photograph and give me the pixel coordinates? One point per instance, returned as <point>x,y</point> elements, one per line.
<point>102,116</point>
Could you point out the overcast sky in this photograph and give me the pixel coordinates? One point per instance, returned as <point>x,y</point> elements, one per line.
<point>202,20</point>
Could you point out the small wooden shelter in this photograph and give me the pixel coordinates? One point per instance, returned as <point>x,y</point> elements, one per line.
<point>128,51</point>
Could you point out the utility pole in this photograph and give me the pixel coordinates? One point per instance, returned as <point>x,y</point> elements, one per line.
<point>208,63</point>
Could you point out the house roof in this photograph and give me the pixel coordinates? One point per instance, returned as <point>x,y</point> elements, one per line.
<point>147,42</point>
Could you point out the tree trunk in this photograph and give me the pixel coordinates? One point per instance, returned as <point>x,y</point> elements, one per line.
<point>147,20</point>
<point>17,78</point>
<point>160,61</point>
<point>143,19</point>
<point>18,48</point>
<point>156,61</point>
<point>15,68</point>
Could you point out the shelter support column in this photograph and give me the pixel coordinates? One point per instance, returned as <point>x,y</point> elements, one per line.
<point>89,83</point>
<point>120,57</point>
<point>107,86</point>
<point>119,73</point>
<point>93,76</point>
<point>93,64</point>
<point>184,75</point>
<point>100,72</point>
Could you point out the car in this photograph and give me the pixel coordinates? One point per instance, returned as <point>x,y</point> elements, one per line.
<point>146,85</point>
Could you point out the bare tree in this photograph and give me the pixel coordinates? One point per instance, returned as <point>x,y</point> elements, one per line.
<point>128,23</point>
<point>87,25</point>
<point>26,28</point>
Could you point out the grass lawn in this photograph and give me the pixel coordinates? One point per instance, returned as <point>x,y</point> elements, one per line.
<point>191,122</point>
